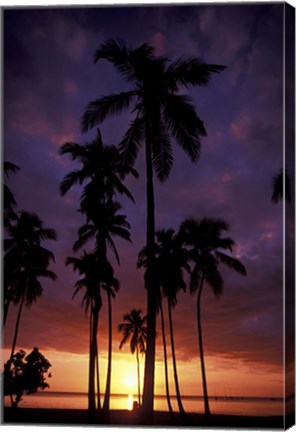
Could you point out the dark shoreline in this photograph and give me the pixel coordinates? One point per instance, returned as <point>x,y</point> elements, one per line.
<point>130,418</point>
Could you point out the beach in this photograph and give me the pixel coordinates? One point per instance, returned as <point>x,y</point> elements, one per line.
<point>68,417</point>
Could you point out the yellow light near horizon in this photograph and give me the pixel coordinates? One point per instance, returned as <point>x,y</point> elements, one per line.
<point>130,401</point>
<point>130,381</point>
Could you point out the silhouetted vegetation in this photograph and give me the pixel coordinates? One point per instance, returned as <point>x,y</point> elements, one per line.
<point>101,172</point>
<point>25,374</point>
<point>160,112</point>
<point>203,237</point>
<point>134,330</point>
<point>278,187</point>
<point>25,261</point>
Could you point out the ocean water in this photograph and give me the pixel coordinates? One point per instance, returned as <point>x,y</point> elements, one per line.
<point>232,406</point>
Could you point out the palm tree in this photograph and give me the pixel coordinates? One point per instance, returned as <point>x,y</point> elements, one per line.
<point>9,200</point>
<point>160,112</point>
<point>134,330</point>
<point>278,187</point>
<point>206,252</point>
<point>101,171</point>
<point>90,269</point>
<point>100,165</point>
<point>165,357</point>
<point>111,287</point>
<point>172,261</point>
<point>26,260</point>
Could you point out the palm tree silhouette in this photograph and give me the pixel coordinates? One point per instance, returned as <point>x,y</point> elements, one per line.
<point>278,187</point>
<point>172,261</point>
<point>8,198</point>
<point>93,273</point>
<point>134,330</point>
<point>160,112</point>
<point>106,222</point>
<point>101,171</point>
<point>111,287</point>
<point>26,260</point>
<point>206,246</point>
<point>100,165</point>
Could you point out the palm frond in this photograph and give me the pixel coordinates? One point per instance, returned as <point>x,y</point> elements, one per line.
<point>232,263</point>
<point>75,150</point>
<point>99,109</point>
<point>184,124</point>
<point>191,71</point>
<point>86,233</point>
<point>72,178</point>
<point>162,153</point>
<point>214,279</point>
<point>132,141</point>
<point>10,167</point>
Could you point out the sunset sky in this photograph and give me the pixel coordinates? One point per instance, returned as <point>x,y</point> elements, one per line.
<point>49,77</point>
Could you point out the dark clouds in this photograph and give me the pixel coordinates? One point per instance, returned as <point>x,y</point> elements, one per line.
<point>49,77</point>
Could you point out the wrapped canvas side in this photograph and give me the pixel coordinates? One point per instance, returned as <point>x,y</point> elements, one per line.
<point>289,213</point>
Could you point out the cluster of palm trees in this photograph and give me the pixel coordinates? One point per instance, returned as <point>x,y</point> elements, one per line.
<point>196,249</point>
<point>101,172</point>
<point>160,113</point>
<point>26,260</point>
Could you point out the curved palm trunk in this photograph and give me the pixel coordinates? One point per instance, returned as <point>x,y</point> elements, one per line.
<point>138,372</point>
<point>203,370</point>
<point>179,401</point>
<point>165,359</point>
<point>98,378</point>
<point>106,405</point>
<point>17,326</point>
<point>97,366</point>
<point>148,391</point>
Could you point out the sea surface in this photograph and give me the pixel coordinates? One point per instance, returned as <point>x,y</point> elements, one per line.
<point>218,405</point>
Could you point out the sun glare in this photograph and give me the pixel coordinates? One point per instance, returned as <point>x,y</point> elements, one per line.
<point>130,381</point>
<point>130,402</point>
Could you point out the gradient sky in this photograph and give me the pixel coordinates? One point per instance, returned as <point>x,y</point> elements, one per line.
<point>49,77</point>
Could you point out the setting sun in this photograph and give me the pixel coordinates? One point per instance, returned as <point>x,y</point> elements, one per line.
<point>130,381</point>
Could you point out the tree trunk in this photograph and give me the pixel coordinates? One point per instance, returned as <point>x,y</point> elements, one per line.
<point>106,405</point>
<point>91,370</point>
<point>138,373</point>
<point>148,391</point>
<point>17,325</point>
<point>180,406</point>
<point>97,366</point>
<point>203,370</point>
<point>165,359</point>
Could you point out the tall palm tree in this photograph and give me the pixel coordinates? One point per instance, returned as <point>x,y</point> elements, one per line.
<point>172,261</point>
<point>27,261</point>
<point>101,172</point>
<point>111,287</point>
<point>105,224</point>
<point>165,358</point>
<point>90,269</point>
<point>160,112</point>
<point>9,202</point>
<point>203,237</point>
<point>134,330</point>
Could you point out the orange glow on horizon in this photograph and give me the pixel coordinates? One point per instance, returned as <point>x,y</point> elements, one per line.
<point>225,377</point>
